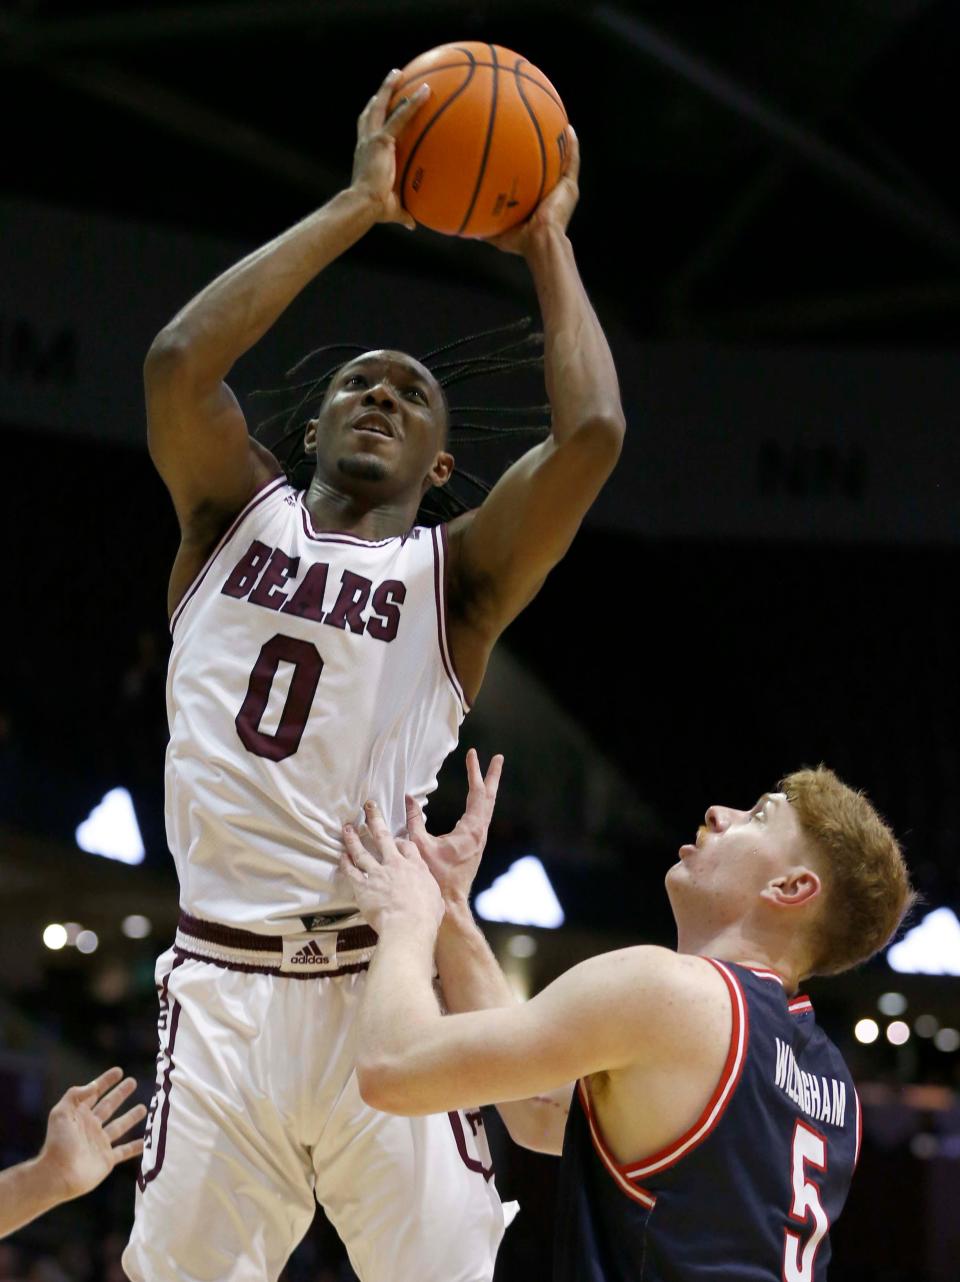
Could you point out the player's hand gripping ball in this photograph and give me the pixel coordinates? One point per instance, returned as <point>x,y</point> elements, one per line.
<point>486,147</point>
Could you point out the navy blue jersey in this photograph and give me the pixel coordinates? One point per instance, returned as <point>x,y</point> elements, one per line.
<point>750,1191</point>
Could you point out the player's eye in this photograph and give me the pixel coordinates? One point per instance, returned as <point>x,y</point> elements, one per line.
<point>415,394</point>
<point>354,380</point>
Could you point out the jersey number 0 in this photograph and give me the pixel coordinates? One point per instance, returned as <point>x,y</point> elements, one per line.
<point>307,666</point>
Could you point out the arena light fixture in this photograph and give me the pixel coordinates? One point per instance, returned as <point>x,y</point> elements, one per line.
<point>522,896</point>
<point>521,946</point>
<point>136,926</point>
<point>891,1004</point>
<point>54,936</point>
<point>931,948</point>
<point>947,1040</point>
<point>866,1031</point>
<point>926,1025</point>
<point>87,941</point>
<point>898,1033</point>
<point>111,829</point>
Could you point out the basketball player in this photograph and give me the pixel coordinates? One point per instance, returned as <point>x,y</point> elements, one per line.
<point>325,648</point>
<point>714,1128</point>
<point>80,1150</point>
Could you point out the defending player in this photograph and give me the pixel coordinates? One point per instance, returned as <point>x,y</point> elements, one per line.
<point>81,1149</point>
<point>325,649</point>
<point>714,1128</point>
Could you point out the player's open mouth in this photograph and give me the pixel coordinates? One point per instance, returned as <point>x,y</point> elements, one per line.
<point>373,422</point>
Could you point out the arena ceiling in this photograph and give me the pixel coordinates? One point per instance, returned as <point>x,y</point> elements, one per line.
<point>750,171</point>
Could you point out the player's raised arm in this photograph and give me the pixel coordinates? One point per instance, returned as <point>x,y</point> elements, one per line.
<point>197,433</point>
<point>80,1150</point>
<point>637,1009</point>
<point>470,975</point>
<point>502,552</point>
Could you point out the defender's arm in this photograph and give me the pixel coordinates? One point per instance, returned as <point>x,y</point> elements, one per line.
<point>637,1008</point>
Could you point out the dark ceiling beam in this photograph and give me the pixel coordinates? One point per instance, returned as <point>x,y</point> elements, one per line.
<point>27,41</point>
<point>256,150</point>
<point>803,315</point>
<point>930,224</point>
<point>180,114</point>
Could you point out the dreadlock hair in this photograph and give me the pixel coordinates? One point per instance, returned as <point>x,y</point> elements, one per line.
<point>503,350</point>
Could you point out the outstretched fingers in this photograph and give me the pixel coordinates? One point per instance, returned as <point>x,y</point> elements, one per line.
<point>110,1102</point>
<point>123,1152</point>
<point>99,1086</point>
<point>119,1127</point>
<point>482,794</point>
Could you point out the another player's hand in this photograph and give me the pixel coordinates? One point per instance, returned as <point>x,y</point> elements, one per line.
<point>455,857</point>
<point>397,885</point>
<point>81,1147</point>
<point>554,211</point>
<point>374,160</point>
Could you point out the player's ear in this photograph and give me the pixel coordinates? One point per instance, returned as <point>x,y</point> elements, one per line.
<point>440,471</point>
<point>310,436</point>
<point>792,889</point>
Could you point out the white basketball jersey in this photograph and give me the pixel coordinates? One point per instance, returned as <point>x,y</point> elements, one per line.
<point>309,672</point>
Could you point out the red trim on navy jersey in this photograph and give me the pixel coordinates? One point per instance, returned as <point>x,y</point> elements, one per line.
<point>632,1190</point>
<point>265,490</point>
<point>766,974</point>
<point>729,1079</point>
<point>800,1004</point>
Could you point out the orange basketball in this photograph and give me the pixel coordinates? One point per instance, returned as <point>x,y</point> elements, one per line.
<point>486,146</point>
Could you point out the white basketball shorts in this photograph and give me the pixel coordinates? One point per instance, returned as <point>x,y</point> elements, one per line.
<point>257,1115</point>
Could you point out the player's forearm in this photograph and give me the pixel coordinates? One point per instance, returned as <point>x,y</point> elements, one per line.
<point>471,979</point>
<point>26,1191</point>
<point>398,1011</point>
<point>581,378</point>
<point>228,317</point>
<point>470,975</point>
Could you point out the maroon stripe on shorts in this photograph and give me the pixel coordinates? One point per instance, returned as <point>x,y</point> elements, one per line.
<point>248,968</point>
<point>348,940</point>
<point>165,1084</point>
<point>472,1163</point>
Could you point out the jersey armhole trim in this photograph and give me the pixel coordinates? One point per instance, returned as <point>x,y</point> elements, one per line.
<point>859,1124</point>
<point>723,1092</point>
<point>633,1191</point>
<point>440,585</point>
<point>265,490</point>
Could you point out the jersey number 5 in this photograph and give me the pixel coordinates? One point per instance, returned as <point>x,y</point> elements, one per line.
<point>809,1149</point>
<point>307,666</point>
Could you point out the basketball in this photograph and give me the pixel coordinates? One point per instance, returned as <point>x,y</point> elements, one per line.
<point>487,145</point>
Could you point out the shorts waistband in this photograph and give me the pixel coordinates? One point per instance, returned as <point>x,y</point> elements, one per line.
<point>306,955</point>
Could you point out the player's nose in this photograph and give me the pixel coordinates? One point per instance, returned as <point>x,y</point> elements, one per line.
<point>381,397</point>
<point>717,818</point>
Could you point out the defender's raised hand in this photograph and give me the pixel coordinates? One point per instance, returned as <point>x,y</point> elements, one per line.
<point>397,885</point>
<point>81,1146</point>
<point>374,160</point>
<point>455,857</point>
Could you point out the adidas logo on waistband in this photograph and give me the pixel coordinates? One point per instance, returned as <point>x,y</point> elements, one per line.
<point>309,954</point>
